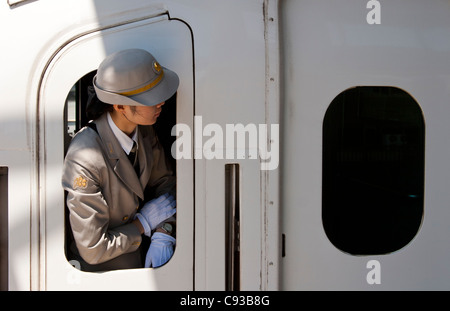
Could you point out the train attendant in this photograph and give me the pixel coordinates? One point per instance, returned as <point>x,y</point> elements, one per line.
<point>120,187</point>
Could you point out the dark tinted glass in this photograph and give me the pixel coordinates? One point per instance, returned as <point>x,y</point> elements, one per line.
<point>373,170</point>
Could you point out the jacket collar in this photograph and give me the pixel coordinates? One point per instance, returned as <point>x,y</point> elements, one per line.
<point>125,141</point>
<point>119,160</point>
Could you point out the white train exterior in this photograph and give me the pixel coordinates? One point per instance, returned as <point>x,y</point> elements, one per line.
<point>261,216</point>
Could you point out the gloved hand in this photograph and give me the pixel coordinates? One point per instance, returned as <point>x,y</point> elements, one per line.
<point>160,250</point>
<point>156,211</point>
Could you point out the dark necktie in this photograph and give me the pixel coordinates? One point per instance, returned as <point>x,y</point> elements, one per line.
<point>132,156</point>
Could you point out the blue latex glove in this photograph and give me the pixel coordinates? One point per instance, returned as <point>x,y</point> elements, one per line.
<point>156,211</point>
<point>160,250</point>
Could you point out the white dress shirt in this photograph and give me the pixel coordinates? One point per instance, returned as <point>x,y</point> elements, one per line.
<point>124,140</point>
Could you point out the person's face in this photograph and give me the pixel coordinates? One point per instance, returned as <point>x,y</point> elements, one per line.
<point>143,115</point>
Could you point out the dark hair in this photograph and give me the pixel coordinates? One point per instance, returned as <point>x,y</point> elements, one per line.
<point>95,107</point>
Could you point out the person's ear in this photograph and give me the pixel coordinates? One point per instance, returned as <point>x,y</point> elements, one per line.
<point>119,108</point>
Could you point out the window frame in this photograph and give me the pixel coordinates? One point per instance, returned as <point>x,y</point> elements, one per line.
<point>169,40</point>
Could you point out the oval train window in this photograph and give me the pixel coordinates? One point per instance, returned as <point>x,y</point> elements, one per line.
<point>373,170</point>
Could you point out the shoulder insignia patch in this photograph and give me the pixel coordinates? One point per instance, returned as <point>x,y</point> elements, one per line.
<point>80,182</point>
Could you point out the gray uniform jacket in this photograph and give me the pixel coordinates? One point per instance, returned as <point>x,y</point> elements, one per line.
<point>104,194</point>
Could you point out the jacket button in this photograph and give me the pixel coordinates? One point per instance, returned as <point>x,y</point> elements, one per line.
<point>125,218</point>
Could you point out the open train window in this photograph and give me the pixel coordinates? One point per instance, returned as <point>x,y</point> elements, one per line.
<point>373,170</point>
<point>83,92</point>
<point>75,118</point>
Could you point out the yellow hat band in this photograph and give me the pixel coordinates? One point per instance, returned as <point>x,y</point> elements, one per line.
<point>146,87</point>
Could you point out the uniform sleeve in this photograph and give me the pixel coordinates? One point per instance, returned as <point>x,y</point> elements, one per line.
<point>89,212</point>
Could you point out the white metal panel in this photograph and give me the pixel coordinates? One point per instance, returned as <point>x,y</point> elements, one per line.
<point>230,79</point>
<point>16,153</point>
<point>19,244</point>
<point>328,48</point>
<point>171,43</point>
